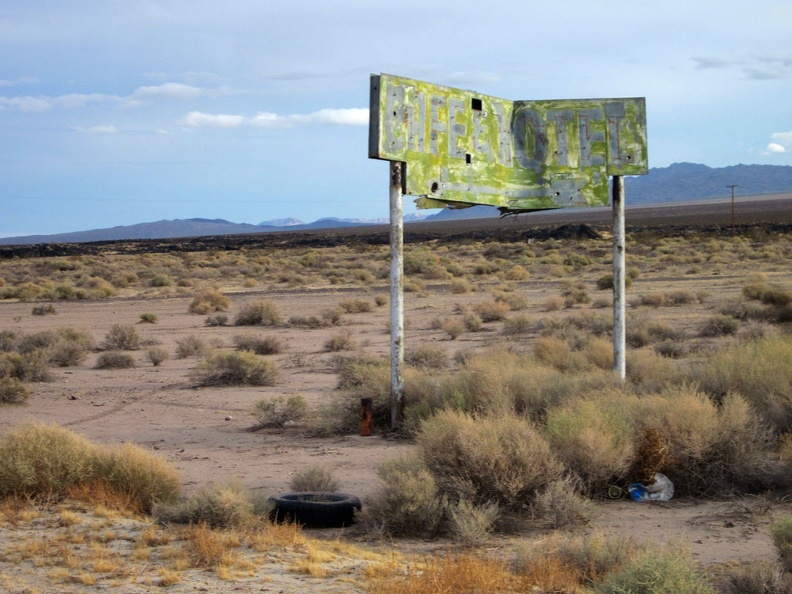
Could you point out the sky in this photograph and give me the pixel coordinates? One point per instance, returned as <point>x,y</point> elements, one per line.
<point>116,112</point>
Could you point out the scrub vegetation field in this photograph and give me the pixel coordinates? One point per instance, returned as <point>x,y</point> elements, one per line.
<point>151,401</point>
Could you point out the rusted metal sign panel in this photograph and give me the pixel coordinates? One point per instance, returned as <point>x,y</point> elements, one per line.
<point>463,148</point>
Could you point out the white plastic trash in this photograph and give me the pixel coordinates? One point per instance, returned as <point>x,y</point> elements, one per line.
<point>662,489</point>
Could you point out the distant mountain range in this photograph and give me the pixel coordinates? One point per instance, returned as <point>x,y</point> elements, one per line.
<point>678,182</point>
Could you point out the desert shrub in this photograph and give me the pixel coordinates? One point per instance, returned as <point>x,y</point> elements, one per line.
<point>44,310</point>
<point>553,303</point>
<point>657,572</point>
<point>148,318</point>
<point>593,437</point>
<point>562,505</point>
<point>454,328</point>
<point>314,478</point>
<point>759,577</point>
<point>471,524</point>
<point>8,340</point>
<point>408,502</point>
<point>680,297</point>
<point>44,460</point>
<point>332,316</point>
<point>585,560</point>
<point>503,459</point>
<point>122,338</point>
<point>160,280</point>
<point>216,320</point>
<point>191,346</point>
<point>515,301</point>
<point>216,507</point>
<point>27,367</point>
<point>460,286</point>
<point>63,347</point>
<point>157,356</point>
<point>769,294</point>
<point>719,325</point>
<point>516,273</point>
<point>781,533</point>
<point>279,410</point>
<point>648,371</point>
<point>12,390</point>
<point>114,360</point>
<point>356,306</point>
<point>258,313</point>
<point>599,352</point>
<point>261,345</point>
<point>473,322</point>
<point>380,300</point>
<point>341,341</point>
<point>517,325</point>
<point>208,301</point>
<point>234,369</point>
<point>653,299</point>
<point>707,449</point>
<point>760,370</point>
<point>557,353</point>
<point>574,293</point>
<point>142,475</point>
<point>426,356</point>
<point>492,310</point>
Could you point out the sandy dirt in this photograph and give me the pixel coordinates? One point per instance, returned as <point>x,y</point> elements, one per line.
<point>204,432</point>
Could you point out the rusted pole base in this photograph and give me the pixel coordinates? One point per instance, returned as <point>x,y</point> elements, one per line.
<point>366,416</point>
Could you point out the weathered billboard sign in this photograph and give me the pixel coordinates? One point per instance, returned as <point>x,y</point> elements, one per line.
<point>463,148</point>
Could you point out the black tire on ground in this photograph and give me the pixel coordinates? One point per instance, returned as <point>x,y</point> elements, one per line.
<point>314,509</point>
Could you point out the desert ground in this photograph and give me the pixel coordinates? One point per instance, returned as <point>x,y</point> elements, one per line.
<point>205,433</point>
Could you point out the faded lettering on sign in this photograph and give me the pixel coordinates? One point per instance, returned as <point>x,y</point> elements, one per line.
<point>464,148</point>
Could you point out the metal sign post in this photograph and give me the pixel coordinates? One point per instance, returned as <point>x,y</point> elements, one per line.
<point>619,281</point>
<point>396,293</point>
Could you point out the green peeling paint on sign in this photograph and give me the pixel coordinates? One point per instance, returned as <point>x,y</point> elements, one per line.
<point>463,148</point>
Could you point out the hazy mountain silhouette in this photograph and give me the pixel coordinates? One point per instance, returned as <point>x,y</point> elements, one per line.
<point>680,181</point>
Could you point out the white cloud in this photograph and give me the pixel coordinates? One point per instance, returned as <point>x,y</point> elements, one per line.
<point>99,130</point>
<point>780,142</point>
<point>145,94</point>
<point>340,117</point>
<point>196,119</point>
<point>169,91</point>
<point>783,138</point>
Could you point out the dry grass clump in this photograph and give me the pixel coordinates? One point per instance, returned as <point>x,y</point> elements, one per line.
<point>148,318</point>
<point>760,577</point>
<point>157,356</point>
<point>352,306</point>
<point>191,346</point>
<point>760,371</point>
<point>593,437</point>
<point>504,459</point>
<point>258,313</point>
<point>13,390</point>
<point>121,337</point>
<point>657,573</point>
<point>45,461</point>
<point>209,301</point>
<point>261,345</point>
<point>63,347</point>
<point>314,478</point>
<point>43,310</point>
<point>224,506</point>
<point>239,368</point>
<point>114,360</point>
<point>426,356</point>
<point>341,341</point>
<point>408,502</point>
<point>277,411</point>
<point>491,310</point>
